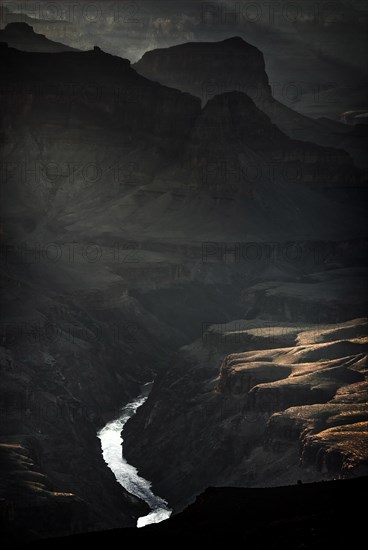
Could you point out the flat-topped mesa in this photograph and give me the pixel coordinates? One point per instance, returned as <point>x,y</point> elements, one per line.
<point>206,69</point>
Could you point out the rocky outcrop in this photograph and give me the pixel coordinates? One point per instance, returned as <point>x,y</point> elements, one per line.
<point>269,417</point>
<point>28,505</point>
<point>332,436</point>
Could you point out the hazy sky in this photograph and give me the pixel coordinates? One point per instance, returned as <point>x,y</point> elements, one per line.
<point>317,44</point>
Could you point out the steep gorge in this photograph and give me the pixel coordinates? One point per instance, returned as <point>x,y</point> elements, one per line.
<point>123,241</point>
<point>264,417</point>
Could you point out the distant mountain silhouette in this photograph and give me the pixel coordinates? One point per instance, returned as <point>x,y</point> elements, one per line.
<point>95,89</point>
<point>229,148</point>
<point>207,69</point>
<point>22,37</point>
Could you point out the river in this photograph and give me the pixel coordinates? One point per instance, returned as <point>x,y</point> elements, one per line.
<point>126,474</point>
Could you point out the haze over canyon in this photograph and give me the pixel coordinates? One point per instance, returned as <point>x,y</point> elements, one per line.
<point>172,226</point>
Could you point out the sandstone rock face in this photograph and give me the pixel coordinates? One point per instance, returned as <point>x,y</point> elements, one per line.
<point>281,414</point>
<point>28,502</point>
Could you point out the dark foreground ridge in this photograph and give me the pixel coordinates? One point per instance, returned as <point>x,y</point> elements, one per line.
<point>315,515</point>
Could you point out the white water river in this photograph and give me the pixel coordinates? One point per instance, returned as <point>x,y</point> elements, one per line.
<point>126,474</point>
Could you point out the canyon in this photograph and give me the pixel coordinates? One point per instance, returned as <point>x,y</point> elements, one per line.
<point>206,245</point>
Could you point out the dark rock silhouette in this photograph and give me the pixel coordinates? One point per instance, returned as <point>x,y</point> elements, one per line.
<point>287,518</point>
<point>234,130</point>
<point>206,69</point>
<point>23,37</point>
